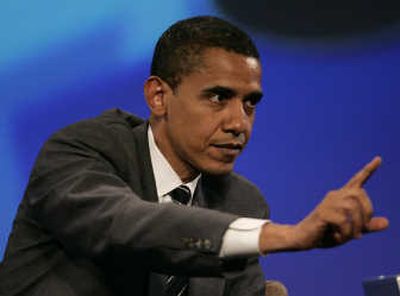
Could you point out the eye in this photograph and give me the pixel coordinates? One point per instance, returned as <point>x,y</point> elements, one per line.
<point>251,103</point>
<point>218,95</point>
<point>217,98</point>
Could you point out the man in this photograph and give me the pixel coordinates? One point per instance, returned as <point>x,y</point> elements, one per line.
<point>101,215</point>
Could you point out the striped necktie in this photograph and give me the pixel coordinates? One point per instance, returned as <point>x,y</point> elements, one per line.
<point>181,195</point>
<point>178,285</point>
<point>165,284</point>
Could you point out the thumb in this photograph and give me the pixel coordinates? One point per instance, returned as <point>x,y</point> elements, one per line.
<point>377,224</point>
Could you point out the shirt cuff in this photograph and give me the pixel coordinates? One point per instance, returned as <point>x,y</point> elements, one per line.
<point>242,238</point>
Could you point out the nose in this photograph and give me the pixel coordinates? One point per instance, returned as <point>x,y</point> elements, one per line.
<point>237,120</point>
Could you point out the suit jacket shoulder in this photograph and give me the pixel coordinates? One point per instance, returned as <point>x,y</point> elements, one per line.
<point>235,194</point>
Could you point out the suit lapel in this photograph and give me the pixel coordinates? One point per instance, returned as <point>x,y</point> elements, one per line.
<point>209,193</point>
<point>144,167</point>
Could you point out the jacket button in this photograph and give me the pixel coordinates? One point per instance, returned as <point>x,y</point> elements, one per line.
<point>207,244</point>
<point>198,244</point>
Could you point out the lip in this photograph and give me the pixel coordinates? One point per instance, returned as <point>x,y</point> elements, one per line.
<point>231,149</point>
<point>230,145</point>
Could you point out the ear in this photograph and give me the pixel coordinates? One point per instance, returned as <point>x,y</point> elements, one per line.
<point>155,92</point>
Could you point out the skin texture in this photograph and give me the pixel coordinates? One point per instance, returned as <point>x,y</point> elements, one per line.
<point>204,124</point>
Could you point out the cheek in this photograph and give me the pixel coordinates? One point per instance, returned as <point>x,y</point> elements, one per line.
<point>206,132</point>
<point>195,126</point>
<point>197,138</point>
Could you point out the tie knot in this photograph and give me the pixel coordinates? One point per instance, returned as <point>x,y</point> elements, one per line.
<point>181,194</point>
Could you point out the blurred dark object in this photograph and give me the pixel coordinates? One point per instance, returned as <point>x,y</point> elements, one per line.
<point>313,18</point>
<point>382,286</point>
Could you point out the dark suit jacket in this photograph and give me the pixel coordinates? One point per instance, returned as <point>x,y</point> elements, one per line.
<point>90,224</point>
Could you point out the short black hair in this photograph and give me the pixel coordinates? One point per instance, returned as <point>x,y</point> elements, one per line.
<point>179,49</point>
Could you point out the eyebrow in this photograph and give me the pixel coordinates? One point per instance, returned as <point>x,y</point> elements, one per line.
<point>254,96</point>
<point>222,90</point>
<point>229,92</point>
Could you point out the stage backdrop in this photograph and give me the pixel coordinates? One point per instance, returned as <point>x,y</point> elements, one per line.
<point>331,104</point>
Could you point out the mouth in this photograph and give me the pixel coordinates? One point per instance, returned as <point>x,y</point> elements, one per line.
<point>230,149</point>
<point>233,146</point>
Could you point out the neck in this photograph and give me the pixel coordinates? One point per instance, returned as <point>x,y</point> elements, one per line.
<point>183,169</point>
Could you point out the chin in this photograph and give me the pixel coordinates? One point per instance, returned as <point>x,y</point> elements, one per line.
<point>218,169</point>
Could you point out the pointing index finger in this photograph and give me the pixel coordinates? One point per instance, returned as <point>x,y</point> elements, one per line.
<point>362,176</point>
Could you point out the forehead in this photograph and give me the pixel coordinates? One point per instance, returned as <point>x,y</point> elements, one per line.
<point>225,68</point>
<point>220,60</point>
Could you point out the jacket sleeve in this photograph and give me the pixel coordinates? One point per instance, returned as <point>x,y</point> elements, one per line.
<point>78,196</point>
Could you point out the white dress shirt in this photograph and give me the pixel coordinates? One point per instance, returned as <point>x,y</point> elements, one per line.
<point>242,236</point>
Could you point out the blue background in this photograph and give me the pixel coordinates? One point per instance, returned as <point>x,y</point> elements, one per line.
<point>329,107</point>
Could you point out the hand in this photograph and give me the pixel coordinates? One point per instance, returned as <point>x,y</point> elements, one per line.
<point>344,214</point>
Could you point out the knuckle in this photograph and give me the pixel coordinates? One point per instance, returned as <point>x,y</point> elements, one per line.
<point>350,205</point>
<point>343,220</point>
<point>332,193</point>
<point>354,192</point>
<point>328,194</point>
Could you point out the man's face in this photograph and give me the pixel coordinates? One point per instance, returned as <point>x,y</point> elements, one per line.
<point>210,115</point>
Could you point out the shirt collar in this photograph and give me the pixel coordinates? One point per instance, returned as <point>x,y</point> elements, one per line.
<point>166,178</point>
